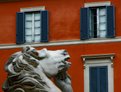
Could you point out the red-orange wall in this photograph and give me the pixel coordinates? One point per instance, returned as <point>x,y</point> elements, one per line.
<point>64,18</point>
<point>64,24</point>
<point>77,70</point>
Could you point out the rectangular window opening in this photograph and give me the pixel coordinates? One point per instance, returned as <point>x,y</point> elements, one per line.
<point>32,27</point>
<point>98,22</point>
<point>99,79</point>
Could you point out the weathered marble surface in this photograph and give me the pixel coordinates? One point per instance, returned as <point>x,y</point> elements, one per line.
<point>31,70</point>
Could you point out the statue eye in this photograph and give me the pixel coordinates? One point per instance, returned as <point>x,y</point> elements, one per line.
<point>65,52</point>
<point>35,52</point>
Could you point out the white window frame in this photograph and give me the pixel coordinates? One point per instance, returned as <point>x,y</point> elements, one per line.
<point>98,60</point>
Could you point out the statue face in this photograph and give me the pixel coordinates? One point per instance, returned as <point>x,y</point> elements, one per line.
<point>53,62</point>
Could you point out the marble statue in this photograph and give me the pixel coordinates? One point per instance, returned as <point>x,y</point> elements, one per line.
<point>32,70</point>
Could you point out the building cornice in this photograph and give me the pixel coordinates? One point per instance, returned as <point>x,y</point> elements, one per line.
<point>61,43</point>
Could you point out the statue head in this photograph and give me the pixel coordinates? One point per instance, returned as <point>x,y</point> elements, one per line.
<point>27,68</point>
<point>53,62</point>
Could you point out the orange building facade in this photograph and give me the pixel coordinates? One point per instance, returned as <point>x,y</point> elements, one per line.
<point>92,55</point>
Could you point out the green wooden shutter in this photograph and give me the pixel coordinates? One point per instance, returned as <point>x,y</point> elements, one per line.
<point>98,79</point>
<point>84,23</point>
<point>45,26</point>
<point>110,22</point>
<point>20,30</point>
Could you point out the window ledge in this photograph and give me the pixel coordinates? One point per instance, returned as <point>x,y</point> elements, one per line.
<point>98,56</point>
<point>29,9</point>
<point>95,4</point>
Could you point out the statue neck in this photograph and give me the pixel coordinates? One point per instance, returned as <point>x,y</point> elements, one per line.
<point>51,86</point>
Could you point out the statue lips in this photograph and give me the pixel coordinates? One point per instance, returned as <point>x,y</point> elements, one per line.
<point>62,75</point>
<point>65,61</point>
<point>65,64</point>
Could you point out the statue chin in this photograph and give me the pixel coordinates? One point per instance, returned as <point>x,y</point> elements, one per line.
<point>30,70</point>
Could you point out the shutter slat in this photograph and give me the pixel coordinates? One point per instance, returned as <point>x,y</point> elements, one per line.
<point>20,34</point>
<point>44,32</point>
<point>110,22</point>
<point>84,23</point>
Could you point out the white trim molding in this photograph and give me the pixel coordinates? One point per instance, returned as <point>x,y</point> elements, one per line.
<point>29,9</point>
<point>95,61</point>
<point>61,43</point>
<point>95,4</point>
<point>98,56</point>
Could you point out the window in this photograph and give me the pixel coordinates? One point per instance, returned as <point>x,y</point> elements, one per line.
<point>32,26</point>
<point>98,77</point>
<point>98,73</point>
<point>97,22</point>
